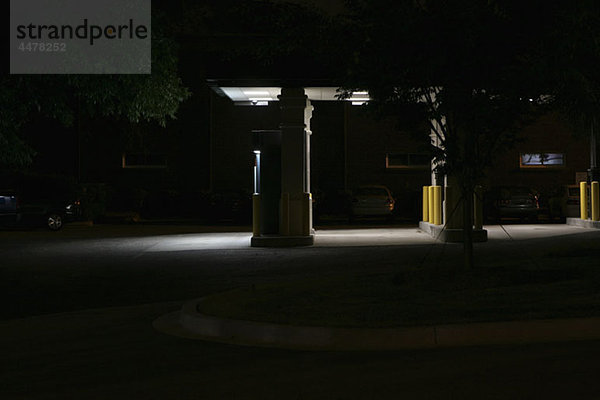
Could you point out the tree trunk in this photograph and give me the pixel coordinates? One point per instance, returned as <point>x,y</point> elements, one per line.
<point>468,227</point>
<point>468,189</point>
<point>78,138</point>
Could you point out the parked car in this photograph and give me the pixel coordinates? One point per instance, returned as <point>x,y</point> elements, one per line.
<point>515,202</point>
<point>27,212</point>
<point>372,201</point>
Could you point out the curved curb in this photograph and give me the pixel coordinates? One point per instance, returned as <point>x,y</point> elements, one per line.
<point>191,324</point>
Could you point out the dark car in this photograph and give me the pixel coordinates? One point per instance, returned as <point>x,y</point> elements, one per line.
<point>47,212</point>
<point>372,201</point>
<point>35,200</point>
<point>514,202</point>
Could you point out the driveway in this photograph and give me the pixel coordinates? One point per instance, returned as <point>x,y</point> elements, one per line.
<point>78,307</point>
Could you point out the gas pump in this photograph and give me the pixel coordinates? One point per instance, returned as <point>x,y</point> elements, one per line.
<point>282,209</point>
<point>267,181</point>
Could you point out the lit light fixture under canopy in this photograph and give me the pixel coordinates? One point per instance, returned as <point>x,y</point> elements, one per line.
<point>251,95</point>
<point>264,95</point>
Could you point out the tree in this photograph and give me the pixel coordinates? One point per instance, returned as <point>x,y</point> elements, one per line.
<point>575,56</point>
<point>475,70</point>
<point>68,98</point>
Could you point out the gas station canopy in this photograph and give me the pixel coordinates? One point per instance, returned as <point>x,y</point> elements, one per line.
<point>261,96</point>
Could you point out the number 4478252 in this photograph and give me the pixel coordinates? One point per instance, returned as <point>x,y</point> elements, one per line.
<point>42,47</point>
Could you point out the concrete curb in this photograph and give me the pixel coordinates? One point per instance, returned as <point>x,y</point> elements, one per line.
<point>191,324</point>
<point>451,235</point>
<point>282,241</point>
<point>584,223</point>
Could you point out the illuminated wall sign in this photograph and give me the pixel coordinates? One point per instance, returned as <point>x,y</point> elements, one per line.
<point>541,160</point>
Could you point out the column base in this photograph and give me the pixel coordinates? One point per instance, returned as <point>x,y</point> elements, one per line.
<point>281,241</point>
<point>451,235</point>
<point>585,223</point>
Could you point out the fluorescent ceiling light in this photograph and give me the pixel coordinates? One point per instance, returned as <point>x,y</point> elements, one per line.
<point>248,94</point>
<point>234,93</point>
<point>256,92</point>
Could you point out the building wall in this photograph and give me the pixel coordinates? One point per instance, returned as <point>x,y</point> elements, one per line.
<point>370,140</point>
<point>327,147</point>
<point>546,135</point>
<point>349,147</point>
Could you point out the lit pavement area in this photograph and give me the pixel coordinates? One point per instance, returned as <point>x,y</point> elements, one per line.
<point>101,266</point>
<point>140,239</point>
<point>203,241</point>
<point>354,237</point>
<point>532,231</point>
<point>371,237</point>
<point>78,307</point>
<point>125,239</point>
<point>414,236</point>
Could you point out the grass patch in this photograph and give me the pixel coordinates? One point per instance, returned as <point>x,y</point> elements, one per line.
<point>419,296</point>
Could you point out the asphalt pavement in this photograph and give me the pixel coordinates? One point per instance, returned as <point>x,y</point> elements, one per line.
<point>78,307</point>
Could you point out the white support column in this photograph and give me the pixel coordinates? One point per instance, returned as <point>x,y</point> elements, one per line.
<point>436,141</point>
<point>296,112</point>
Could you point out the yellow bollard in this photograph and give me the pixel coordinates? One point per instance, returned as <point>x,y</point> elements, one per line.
<point>595,202</point>
<point>256,214</point>
<point>425,203</point>
<point>430,204</point>
<point>437,205</point>
<point>583,200</point>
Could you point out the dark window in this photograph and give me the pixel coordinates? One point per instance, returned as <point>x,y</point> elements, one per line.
<point>573,191</point>
<point>143,160</point>
<point>408,160</point>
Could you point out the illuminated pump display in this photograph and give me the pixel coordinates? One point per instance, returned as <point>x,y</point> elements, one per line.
<point>256,169</point>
